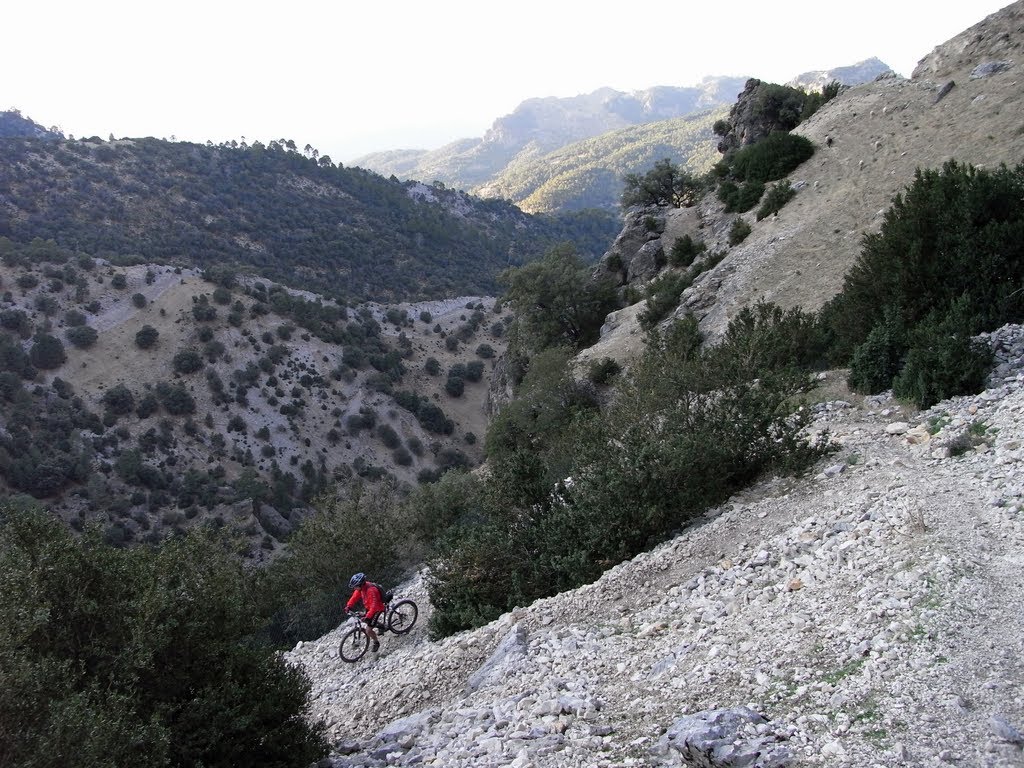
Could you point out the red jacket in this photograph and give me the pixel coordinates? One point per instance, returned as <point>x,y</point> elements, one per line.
<point>370,594</point>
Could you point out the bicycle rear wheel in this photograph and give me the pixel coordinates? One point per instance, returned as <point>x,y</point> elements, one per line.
<point>402,616</point>
<point>353,645</point>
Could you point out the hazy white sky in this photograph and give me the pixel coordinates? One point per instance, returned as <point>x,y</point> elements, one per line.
<point>353,77</point>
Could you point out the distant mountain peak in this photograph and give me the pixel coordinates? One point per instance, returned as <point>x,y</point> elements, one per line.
<point>854,74</point>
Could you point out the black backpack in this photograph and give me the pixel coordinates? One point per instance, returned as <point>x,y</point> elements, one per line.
<point>385,597</point>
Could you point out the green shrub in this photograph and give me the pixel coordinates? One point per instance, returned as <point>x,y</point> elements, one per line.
<point>119,281</point>
<point>47,352</point>
<point>740,198</point>
<point>557,301</point>
<point>601,371</point>
<point>187,361</point>
<point>123,656</point>
<point>663,297</point>
<point>204,313</point>
<point>877,361</point>
<point>665,184</point>
<point>73,318</point>
<point>81,336</point>
<point>146,337</point>
<point>455,386</point>
<point>139,300</point>
<point>770,159</point>
<point>688,429</point>
<point>175,399</point>
<point>685,250</point>
<point>148,405</point>
<point>953,233</point>
<point>118,400</point>
<point>777,196</point>
<point>388,436</point>
<point>738,232</point>
<point>816,101</point>
<point>942,362</point>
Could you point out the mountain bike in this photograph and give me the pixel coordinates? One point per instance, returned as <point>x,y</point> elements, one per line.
<point>399,617</point>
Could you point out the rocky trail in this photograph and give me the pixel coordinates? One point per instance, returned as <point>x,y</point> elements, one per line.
<point>869,614</point>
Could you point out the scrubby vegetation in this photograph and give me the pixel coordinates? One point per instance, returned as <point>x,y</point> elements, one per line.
<point>665,184</point>
<point>112,199</point>
<point>556,300</point>
<point>744,173</point>
<point>121,656</point>
<point>588,174</point>
<point>948,263</point>
<point>690,426</point>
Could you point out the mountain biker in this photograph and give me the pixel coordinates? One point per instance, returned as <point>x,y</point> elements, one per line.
<point>372,598</point>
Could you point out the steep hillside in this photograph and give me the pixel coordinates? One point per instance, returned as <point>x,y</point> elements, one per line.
<point>871,139</point>
<point>568,154</point>
<point>245,401</point>
<point>962,103</point>
<point>868,615</point>
<point>15,125</point>
<point>295,220</point>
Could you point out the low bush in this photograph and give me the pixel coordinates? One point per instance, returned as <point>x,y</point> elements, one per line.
<point>770,159</point>
<point>684,250</point>
<point>47,352</point>
<point>187,361</point>
<point>146,337</point>
<point>663,297</point>
<point>942,361</point>
<point>738,232</point>
<point>777,196</point>
<point>740,198</point>
<point>601,371</point>
<point>81,336</point>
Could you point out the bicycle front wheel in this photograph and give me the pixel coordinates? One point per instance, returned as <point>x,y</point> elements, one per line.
<point>353,645</point>
<point>402,616</point>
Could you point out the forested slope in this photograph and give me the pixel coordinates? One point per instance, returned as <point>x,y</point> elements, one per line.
<point>302,221</point>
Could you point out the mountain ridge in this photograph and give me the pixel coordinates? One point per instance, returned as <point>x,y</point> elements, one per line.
<point>537,141</point>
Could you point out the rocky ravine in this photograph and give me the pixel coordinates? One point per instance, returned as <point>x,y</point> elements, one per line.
<point>870,614</point>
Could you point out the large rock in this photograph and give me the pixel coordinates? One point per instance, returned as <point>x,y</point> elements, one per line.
<point>641,227</point>
<point>723,738</point>
<point>753,117</point>
<point>511,647</point>
<point>647,262</point>
<point>273,522</point>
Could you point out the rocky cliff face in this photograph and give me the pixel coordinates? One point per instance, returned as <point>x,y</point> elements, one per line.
<point>753,117</point>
